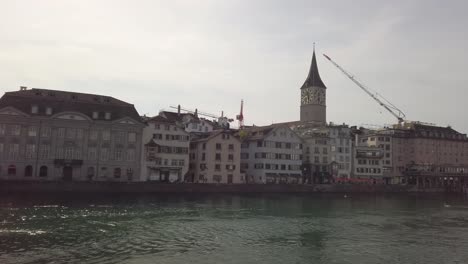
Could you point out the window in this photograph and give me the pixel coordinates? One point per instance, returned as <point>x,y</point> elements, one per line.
<point>28,171</point>
<point>230,157</point>
<point>30,151</point>
<point>93,135</point>
<point>118,154</point>
<point>48,111</point>
<point>132,137</point>
<point>117,173</point>
<point>174,162</point>
<point>79,133</point>
<point>69,153</point>
<point>204,146</point>
<point>104,172</point>
<point>1,149</point>
<point>217,167</point>
<point>71,133</point>
<point>32,131</point>
<point>119,137</point>
<point>12,170</point>
<point>13,151</point>
<point>217,178</point>
<point>15,130</point>
<point>95,115</point>
<point>61,132</point>
<point>43,171</point>
<point>107,116</point>
<point>2,129</point>
<point>231,147</point>
<point>218,146</point>
<point>218,156</point>
<point>34,109</point>
<point>130,154</point>
<point>104,153</point>
<point>92,153</point>
<point>106,135</point>
<point>203,156</point>
<point>258,166</point>
<point>181,162</point>
<point>45,132</point>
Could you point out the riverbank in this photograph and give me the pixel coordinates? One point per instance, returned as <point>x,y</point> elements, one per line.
<point>153,187</point>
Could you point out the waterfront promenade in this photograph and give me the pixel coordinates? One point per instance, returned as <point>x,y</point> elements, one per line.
<point>149,187</point>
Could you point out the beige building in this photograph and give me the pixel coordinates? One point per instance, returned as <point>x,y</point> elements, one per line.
<point>165,154</point>
<point>271,154</point>
<point>422,148</point>
<point>215,158</point>
<point>57,135</point>
<point>368,163</point>
<point>413,148</point>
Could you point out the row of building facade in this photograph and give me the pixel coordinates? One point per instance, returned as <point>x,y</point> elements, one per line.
<point>54,135</point>
<point>57,135</point>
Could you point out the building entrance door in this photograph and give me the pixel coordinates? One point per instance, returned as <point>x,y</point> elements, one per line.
<point>67,173</point>
<point>229,178</point>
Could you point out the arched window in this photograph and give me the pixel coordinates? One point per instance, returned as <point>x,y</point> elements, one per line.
<point>28,171</point>
<point>12,170</point>
<point>117,172</point>
<point>90,173</point>
<point>43,171</point>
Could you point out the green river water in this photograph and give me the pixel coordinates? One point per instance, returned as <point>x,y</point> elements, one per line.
<point>258,229</point>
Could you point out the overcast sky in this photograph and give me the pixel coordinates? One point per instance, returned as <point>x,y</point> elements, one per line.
<point>211,54</point>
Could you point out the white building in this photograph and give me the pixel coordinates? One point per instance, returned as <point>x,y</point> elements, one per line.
<point>165,152</point>
<point>271,154</point>
<point>368,160</point>
<point>191,122</point>
<point>341,155</point>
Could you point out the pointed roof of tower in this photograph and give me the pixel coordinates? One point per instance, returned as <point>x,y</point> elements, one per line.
<point>313,79</point>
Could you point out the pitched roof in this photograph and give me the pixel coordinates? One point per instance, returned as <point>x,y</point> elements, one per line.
<point>209,135</point>
<point>176,117</point>
<point>313,79</point>
<point>160,119</point>
<point>63,101</point>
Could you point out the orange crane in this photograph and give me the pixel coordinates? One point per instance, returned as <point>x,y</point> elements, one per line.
<point>397,113</point>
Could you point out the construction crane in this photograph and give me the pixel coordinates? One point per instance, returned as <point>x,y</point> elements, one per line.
<point>222,120</point>
<point>397,113</point>
<point>240,116</point>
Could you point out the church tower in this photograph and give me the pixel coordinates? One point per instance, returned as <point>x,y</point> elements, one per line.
<point>313,96</point>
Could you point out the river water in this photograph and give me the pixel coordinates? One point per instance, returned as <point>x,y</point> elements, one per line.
<point>233,229</point>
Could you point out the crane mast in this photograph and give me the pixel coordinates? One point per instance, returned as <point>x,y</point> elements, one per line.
<point>240,116</point>
<point>397,113</point>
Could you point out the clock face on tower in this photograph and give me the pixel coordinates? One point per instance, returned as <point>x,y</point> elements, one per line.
<point>313,95</point>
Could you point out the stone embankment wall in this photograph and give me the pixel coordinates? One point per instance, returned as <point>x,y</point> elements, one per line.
<point>115,187</point>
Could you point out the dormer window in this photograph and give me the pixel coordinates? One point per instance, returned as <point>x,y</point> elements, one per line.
<point>48,110</point>
<point>34,109</point>
<point>107,116</point>
<point>95,115</point>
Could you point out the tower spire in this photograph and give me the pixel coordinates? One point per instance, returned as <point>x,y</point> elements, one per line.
<point>313,79</point>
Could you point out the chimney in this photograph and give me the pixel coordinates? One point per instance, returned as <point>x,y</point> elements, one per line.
<point>196,112</point>
<point>178,110</point>
<point>23,88</point>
